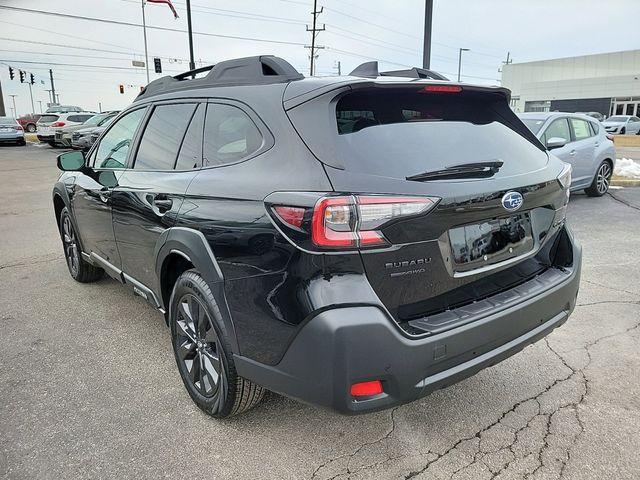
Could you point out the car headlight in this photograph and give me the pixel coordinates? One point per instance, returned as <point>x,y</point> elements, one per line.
<point>565,179</point>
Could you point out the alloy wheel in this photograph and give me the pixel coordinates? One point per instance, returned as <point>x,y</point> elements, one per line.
<point>198,346</point>
<point>604,176</point>
<point>70,246</point>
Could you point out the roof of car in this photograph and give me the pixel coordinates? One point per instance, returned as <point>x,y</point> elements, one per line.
<point>547,115</point>
<point>269,70</point>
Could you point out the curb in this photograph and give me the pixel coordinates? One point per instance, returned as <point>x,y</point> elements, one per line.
<point>625,182</point>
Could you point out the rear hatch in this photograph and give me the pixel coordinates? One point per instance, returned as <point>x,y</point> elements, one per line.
<point>499,201</point>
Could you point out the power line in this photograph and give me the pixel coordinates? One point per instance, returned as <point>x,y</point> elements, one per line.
<point>130,24</point>
<point>384,27</point>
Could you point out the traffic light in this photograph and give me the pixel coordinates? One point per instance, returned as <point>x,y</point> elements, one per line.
<point>33,79</point>
<point>121,88</point>
<point>157,64</point>
<point>21,76</point>
<point>11,74</point>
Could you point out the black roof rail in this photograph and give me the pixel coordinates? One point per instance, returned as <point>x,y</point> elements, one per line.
<point>258,70</point>
<point>370,70</point>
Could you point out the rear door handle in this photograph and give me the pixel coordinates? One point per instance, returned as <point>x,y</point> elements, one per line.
<point>163,204</point>
<point>597,144</point>
<point>572,152</point>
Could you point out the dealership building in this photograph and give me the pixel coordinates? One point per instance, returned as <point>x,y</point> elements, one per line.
<point>608,83</point>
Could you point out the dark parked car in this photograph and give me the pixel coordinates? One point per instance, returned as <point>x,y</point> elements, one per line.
<point>353,242</point>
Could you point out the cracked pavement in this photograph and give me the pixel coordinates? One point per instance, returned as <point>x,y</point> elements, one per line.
<point>89,388</point>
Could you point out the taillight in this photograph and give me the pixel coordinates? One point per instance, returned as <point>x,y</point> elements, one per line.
<point>292,216</point>
<point>58,124</point>
<point>441,89</point>
<point>609,136</point>
<point>18,127</point>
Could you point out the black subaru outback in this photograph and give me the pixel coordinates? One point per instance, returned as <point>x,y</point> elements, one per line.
<point>353,242</point>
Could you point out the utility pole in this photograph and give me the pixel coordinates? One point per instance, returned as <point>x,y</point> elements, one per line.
<point>314,32</point>
<point>428,22</point>
<point>192,63</point>
<point>100,107</point>
<point>460,60</point>
<point>3,112</point>
<point>49,93</point>
<point>40,102</point>
<point>338,67</point>
<point>53,88</point>
<point>15,112</point>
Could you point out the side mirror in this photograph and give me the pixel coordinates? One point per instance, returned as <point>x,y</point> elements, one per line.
<point>556,142</point>
<point>71,161</point>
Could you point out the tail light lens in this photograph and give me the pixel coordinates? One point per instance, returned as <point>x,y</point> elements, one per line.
<point>18,127</point>
<point>441,89</point>
<point>366,389</point>
<point>609,136</point>
<point>351,221</point>
<point>58,124</point>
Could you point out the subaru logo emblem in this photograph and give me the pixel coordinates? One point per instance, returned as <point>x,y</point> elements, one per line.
<point>512,201</point>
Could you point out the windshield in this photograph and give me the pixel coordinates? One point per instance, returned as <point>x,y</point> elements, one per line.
<point>107,120</point>
<point>400,132</point>
<point>7,121</point>
<point>617,119</point>
<point>533,124</point>
<point>95,120</point>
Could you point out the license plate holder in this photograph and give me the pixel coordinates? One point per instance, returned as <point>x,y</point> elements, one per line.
<point>493,241</point>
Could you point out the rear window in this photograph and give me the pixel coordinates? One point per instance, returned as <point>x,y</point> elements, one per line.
<point>48,119</point>
<point>402,132</point>
<point>533,124</point>
<point>7,121</point>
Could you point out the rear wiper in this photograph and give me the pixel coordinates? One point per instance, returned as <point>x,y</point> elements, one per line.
<point>465,170</point>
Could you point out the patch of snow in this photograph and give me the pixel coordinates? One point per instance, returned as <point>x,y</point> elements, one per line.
<point>625,167</point>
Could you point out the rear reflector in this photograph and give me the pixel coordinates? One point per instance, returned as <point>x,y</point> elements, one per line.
<point>290,215</point>
<point>366,389</point>
<point>441,89</point>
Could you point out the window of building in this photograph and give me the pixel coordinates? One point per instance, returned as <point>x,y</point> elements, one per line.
<point>537,106</point>
<point>229,135</point>
<point>163,136</point>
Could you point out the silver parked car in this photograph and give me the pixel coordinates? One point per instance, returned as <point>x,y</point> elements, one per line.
<point>623,124</point>
<point>579,140</point>
<point>11,131</point>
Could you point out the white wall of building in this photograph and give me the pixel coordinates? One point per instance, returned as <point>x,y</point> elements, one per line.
<point>614,74</point>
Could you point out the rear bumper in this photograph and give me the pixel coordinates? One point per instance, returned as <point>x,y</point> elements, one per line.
<point>17,137</point>
<point>342,346</point>
<point>45,138</point>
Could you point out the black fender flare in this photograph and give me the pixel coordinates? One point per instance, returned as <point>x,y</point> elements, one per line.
<point>60,190</point>
<point>193,246</point>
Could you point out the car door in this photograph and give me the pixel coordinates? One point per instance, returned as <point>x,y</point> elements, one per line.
<point>91,202</point>
<point>150,192</point>
<point>634,125</point>
<point>584,147</point>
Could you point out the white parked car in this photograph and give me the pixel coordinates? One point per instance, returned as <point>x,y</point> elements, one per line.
<point>49,123</point>
<point>623,124</point>
<point>579,140</point>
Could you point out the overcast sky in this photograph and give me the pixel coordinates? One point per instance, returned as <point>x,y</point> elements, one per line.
<point>356,31</point>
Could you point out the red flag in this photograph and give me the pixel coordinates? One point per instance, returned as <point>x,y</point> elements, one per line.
<point>168,2</point>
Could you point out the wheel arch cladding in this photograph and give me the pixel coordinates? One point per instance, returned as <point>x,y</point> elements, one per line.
<point>58,205</point>
<point>186,247</point>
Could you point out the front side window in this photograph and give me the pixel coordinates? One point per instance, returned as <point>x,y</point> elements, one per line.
<point>229,135</point>
<point>580,128</point>
<point>163,136</point>
<point>558,129</point>
<point>114,146</point>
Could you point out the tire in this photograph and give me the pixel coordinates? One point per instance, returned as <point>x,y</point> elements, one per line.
<point>200,340</point>
<point>601,180</point>
<point>623,131</point>
<point>52,144</point>
<point>31,128</point>
<point>22,143</point>
<point>80,270</point>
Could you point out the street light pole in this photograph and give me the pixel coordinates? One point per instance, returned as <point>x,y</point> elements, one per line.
<point>426,45</point>
<point>15,112</point>
<point>460,60</point>
<point>33,108</point>
<point>144,33</point>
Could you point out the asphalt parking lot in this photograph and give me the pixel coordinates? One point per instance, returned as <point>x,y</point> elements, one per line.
<point>89,387</point>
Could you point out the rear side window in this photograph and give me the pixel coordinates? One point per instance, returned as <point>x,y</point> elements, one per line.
<point>79,118</point>
<point>163,136</point>
<point>48,119</point>
<point>229,135</point>
<point>190,155</point>
<point>580,128</point>
<point>558,129</point>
